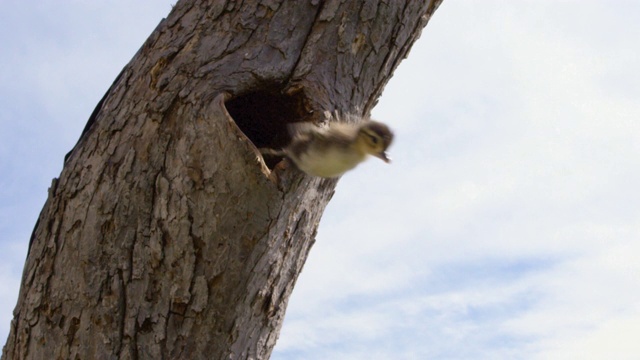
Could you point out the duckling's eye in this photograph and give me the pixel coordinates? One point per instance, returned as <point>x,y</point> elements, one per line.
<point>374,139</point>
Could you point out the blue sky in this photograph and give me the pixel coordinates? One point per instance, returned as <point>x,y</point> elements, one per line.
<point>508,225</point>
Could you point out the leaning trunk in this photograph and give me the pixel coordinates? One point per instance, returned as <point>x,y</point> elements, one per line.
<point>167,235</point>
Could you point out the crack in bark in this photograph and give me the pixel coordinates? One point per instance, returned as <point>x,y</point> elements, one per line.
<point>307,38</point>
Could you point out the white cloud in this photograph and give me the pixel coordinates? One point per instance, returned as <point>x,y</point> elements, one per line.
<point>613,338</point>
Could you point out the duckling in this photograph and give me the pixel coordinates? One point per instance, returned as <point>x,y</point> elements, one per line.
<point>330,152</point>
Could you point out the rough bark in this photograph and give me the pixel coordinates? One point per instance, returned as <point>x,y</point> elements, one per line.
<point>166,234</point>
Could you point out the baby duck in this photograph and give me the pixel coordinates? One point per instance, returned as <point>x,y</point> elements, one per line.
<point>331,151</point>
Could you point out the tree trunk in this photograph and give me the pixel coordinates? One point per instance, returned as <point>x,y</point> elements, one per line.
<point>167,235</point>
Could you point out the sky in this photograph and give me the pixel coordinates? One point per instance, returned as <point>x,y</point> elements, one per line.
<point>507,226</point>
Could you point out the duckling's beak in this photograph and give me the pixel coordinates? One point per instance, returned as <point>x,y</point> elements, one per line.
<point>383,156</point>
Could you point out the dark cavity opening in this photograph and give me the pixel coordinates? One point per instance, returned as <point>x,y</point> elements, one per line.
<point>263,115</point>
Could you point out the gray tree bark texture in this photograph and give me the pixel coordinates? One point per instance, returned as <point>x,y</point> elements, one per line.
<point>167,235</point>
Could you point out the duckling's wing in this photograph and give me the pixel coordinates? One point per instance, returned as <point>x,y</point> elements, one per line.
<point>339,134</point>
<point>301,128</point>
<point>336,134</point>
<point>343,128</point>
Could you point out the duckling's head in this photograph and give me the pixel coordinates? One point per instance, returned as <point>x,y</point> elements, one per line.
<point>374,138</point>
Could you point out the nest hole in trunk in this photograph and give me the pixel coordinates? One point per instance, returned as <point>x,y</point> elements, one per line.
<point>263,116</point>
